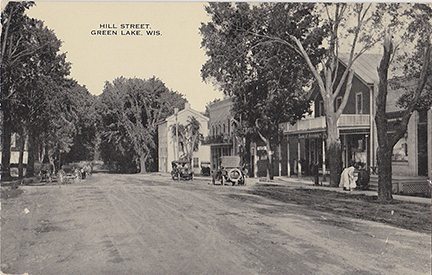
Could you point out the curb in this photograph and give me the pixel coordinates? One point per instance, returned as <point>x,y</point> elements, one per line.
<point>307,184</point>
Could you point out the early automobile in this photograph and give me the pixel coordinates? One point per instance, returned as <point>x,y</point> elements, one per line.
<point>230,171</point>
<point>205,168</point>
<point>181,170</point>
<point>68,173</point>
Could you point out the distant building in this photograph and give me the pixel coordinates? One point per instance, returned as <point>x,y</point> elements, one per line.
<point>18,147</point>
<point>168,149</point>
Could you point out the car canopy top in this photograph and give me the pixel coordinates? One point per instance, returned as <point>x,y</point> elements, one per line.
<point>230,161</point>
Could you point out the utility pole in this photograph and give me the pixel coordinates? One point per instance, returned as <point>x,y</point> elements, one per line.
<point>177,140</point>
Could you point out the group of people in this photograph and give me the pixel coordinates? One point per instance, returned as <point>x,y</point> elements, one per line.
<point>347,180</point>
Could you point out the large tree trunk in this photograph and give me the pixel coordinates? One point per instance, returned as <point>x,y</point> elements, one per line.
<point>6,148</point>
<point>384,173</point>
<point>143,160</point>
<point>21,145</point>
<point>334,151</point>
<point>270,169</point>
<point>384,146</point>
<point>32,154</point>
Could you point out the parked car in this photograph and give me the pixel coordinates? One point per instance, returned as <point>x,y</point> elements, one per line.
<point>181,170</point>
<point>68,173</point>
<point>230,171</point>
<point>205,168</point>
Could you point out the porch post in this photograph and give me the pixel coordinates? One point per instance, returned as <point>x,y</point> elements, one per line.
<point>298,157</point>
<point>323,160</point>
<point>255,161</point>
<point>345,147</point>
<point>280,162</point>
<point>288,158</point>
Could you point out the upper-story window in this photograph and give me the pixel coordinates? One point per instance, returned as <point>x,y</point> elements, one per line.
<point>338,103</point>
<point>321,108</point>
<point>359,103</point>
<point>223,128</point>
<point>14,140</point>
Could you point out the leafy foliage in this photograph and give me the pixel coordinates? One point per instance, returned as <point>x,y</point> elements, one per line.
<point>264,79</point>
<point>417,34</point>
<point>130,110</point>
<point>189,137</point>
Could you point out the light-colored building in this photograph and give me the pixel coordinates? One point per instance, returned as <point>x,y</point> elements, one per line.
<point>168,149</point>
<point>220,137</point>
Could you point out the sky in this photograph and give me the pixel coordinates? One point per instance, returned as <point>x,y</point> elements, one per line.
<point>106,40</point>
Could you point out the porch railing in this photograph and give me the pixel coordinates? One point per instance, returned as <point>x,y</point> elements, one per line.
<point>319,123</point>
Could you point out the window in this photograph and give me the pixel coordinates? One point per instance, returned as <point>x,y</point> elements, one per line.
<point>338,102</point>
<point>359,103</point>
<point>400,150</point>
<point>13,140</point>
<point>321,108</point>
<point>195,162</point>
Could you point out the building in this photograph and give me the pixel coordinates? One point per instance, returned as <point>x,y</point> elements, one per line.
<point>305,142</point>
<point>18,150</point>
<point>221,137</point>
<point>168,149</point>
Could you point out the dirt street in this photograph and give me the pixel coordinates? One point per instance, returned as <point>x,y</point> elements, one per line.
<point>149,224</point>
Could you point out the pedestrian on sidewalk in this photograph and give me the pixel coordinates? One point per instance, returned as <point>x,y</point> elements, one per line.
<point>347,178</point>
<point>363,178</point>
<point>315,173</point>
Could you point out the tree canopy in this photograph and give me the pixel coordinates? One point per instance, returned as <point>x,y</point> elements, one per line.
<point>130,109</point>
<point>266,80</point>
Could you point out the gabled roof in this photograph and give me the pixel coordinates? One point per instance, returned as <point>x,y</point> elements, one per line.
<point>365,66</point>
<point>189,110</point>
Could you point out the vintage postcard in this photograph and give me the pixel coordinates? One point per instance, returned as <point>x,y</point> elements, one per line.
<point>215,137</point>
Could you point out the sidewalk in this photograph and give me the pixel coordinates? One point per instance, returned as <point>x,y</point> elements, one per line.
<point>307,183</point>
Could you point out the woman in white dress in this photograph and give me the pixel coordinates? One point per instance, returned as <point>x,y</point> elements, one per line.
<point>347,181</point>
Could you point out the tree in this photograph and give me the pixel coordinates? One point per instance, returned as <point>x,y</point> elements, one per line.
<point>39,102</point>
<point>189,137</point>
<point>130,110</point>
<point>338,23</point>
<point>417,68</point>
<point>264,79</point>
<point>15,51</point>
<point>73,134</point>
<point>32,74</point>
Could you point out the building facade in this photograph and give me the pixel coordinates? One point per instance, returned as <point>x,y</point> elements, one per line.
<point>168,149</point>
<point>305,143</point>
<point>221,139</point>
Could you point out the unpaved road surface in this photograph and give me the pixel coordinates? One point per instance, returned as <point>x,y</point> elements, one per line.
<point>149,224</point>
